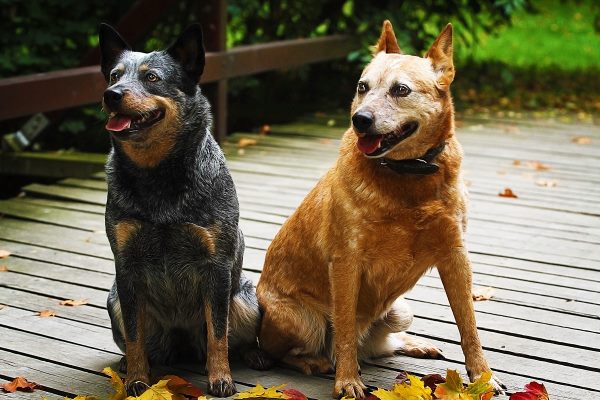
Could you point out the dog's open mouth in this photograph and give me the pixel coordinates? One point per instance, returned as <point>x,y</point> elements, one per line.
<point>376,145</point>
<point>124,123</point>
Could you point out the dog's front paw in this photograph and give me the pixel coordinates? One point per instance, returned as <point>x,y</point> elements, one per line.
<point>221,387</point>
<point>136,387</point>
<point>352,387</point>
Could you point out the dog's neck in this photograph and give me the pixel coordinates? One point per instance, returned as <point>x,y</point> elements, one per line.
<point>417,166</point>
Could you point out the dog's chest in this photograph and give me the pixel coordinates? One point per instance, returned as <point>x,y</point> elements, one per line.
<point>172,265</point>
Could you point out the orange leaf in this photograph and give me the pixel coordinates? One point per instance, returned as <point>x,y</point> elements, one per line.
<point>4,253</point>
<point>245,142</point>
<point>516,163</point>
<point>582,140</point>
<point>47,313</point>
<point>538,166</point>
<point>508,193</point>
<point>178,385</point>
<point>483,293</point>
<point>73,303</point>
<point>19,383</point>
<point>3,268</point>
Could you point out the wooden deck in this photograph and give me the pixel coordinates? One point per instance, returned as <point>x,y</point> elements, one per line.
<point>540,251</point>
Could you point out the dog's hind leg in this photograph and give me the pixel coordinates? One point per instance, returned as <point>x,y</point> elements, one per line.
<point>295,334</point>
<point>387,336</point>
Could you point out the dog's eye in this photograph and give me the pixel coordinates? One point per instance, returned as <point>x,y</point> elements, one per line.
<point>362,87</point>
<point>400,90</point>
<point>151,77</point>
<point>113,77</point>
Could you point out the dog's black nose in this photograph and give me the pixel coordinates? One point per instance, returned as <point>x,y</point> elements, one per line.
<point>112,98</point>
<point>362,121</point>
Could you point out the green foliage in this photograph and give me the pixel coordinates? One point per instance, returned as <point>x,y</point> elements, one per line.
<point>46,35</point>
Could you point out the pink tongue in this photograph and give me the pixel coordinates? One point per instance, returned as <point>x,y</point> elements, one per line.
<point>118,123</point>
<point>368,144</point>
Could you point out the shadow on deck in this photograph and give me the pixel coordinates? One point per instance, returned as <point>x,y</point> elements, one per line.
<point>540,251</point>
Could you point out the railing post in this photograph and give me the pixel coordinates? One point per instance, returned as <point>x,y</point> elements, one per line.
<point>213,15</point>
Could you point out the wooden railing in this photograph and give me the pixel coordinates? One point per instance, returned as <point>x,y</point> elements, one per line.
<point>50,91</point>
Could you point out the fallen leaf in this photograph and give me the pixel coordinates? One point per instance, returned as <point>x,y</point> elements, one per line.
<point>432,380</point>
<point>73,303</point>
<point>245,142</point>
<point>483,293</point>
<point>117,384</point>
<point>516,163</point>
<point>546,182</point>
<point>19,383</point>
<point>416,389</point>
<point>3,268</point>
<point>46,313</point>
<point>294,394</point>
<point>508,193</point>
<point>581,140</point>
<point>265,129</point>
<point>180,386</point>
<point>80,398</point>
<point>259,392</point>
<point>158,391</point>
<point>4,253</point>
<point>533,391</point>
<point>453,388</point>
<point>538,166</point>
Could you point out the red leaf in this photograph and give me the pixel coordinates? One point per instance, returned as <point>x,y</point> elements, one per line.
<point>508,193</point>
<point>19,383</point>
<point>294,394</point>
<point>533,391</point>
<point>178,385</point>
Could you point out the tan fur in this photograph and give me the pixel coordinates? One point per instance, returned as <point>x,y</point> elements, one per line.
<point>207,236</point>
<point>217,362</point>
<point>365,234</point>
<point>138,368</point>
<point>124,230</point>
<point>159,139</point>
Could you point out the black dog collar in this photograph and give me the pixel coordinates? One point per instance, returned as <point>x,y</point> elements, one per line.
<point>417,166</point>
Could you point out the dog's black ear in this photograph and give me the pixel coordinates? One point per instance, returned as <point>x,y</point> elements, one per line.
<point>387,41</point>
<point>188,51</point>
<point>440,54</point>
<point>111,47</point>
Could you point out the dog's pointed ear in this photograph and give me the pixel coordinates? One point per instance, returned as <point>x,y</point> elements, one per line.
<point>387,41</point>
<point>440,54</point>
<point>111,47</point>
<point>188,51</point>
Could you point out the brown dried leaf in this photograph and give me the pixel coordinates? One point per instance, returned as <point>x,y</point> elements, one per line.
<point>4,253</point>
<point>3,268</point>
<point>546,182</point>
<point>73,303</point>
<point>245,142</point>
<point>516,163</point>
<point>46,313</point>
<point>508,193</point>
<point>483,293</point>
<point>19,383</point>
<point>582,140</point>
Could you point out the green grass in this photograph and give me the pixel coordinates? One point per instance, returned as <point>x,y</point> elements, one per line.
<point>561,35</point>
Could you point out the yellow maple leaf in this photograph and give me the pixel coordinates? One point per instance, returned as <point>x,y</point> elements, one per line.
<point>383,394</point>
<point>415,390</point>
<point>453,389</point>
<point>158,391</point>
<point>117,383</point>
<point>259,392</point>
<point>81,398</point>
